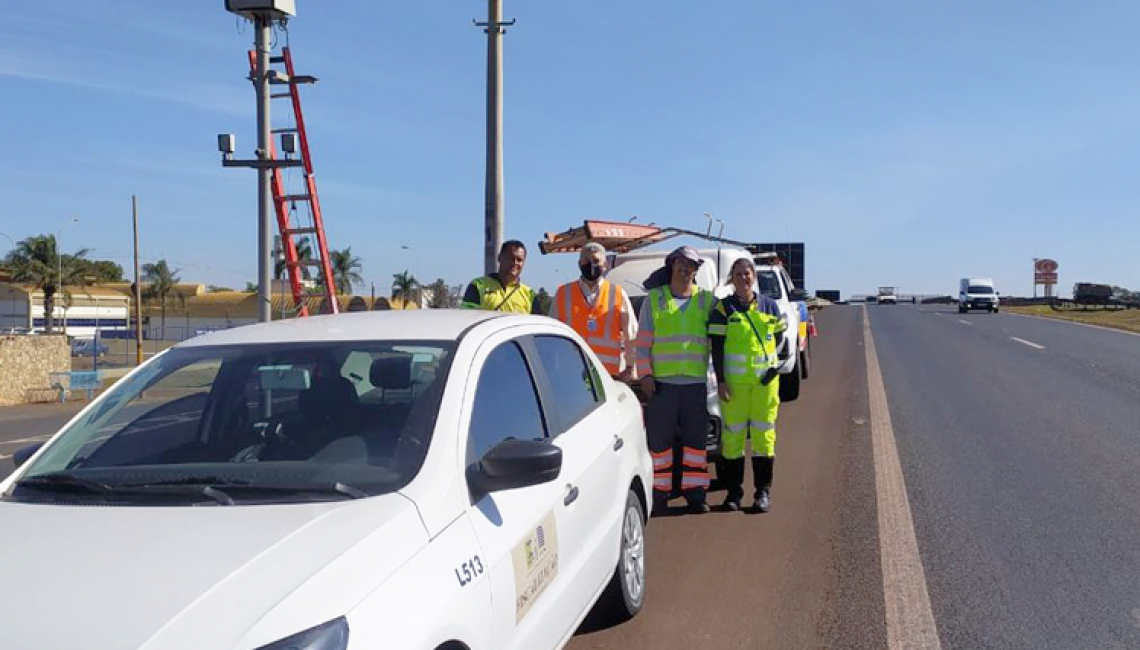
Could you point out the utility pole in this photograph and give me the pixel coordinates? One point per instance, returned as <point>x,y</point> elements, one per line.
<point>263,13</point>
<point>264,29</point>
<point>138,287</point>
<point>495,28</point>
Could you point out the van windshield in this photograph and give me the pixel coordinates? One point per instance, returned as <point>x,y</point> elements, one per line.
<point>769,284</point>
<point>981,289</point>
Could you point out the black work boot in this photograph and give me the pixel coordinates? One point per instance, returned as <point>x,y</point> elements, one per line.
<point>733,480</point>
<point>762,469</point>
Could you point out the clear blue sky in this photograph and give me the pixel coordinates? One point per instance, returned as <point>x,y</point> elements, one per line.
<point>906,143</point>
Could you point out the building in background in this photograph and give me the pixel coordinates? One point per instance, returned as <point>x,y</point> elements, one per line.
<point>78,312</point>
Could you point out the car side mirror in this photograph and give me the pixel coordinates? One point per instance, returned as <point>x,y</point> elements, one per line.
<point>799,294</point>
<point>513,464</point>
<point>22,455</point>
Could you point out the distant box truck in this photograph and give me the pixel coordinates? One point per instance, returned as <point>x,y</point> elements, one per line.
<point>977,293</point>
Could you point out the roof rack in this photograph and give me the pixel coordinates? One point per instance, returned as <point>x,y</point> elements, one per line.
<point>623,237</point>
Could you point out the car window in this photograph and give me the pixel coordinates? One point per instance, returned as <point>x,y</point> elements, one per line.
<point>280,421</point>
<point>506,403</point>
<point>574,383</point>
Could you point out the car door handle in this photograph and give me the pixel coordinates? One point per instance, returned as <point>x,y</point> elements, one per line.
<point>571,496</point>
<point>619,442</point>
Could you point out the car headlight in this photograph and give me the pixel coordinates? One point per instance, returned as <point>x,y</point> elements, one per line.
<point>327,636</point>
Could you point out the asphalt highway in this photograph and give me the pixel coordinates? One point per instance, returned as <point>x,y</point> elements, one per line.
<point>1019,445</point>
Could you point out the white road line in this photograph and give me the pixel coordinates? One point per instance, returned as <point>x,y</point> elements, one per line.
<point>24,440</point>
<point>4,457</point>
<point>1029,343</point>
<point>910,619</point>
<point>964,322</point>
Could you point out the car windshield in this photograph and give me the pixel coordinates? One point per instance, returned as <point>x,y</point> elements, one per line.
<point>253,423</point>
<point>981,289</point>
<point>769,284</point>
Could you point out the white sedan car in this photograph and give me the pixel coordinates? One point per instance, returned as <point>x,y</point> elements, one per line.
<point>427,480</point>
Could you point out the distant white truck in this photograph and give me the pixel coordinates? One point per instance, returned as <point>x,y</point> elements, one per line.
<point>888,296</point>
<point>977,293</point>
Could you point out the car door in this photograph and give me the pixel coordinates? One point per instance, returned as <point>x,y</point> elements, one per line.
<point>520,531</point>
<point>590,436</point>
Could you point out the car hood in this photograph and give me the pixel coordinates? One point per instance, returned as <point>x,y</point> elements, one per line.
<point>192,577</point>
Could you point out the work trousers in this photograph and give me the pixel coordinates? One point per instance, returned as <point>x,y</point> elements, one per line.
<point>677,415</point>
<point>750,414</point>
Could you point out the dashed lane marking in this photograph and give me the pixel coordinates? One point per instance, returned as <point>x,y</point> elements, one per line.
<point>910,619</point>
<point>1029,343</point>
<point>964,322</point>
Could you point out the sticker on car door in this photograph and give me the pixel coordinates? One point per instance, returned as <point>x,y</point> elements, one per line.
<point>535,561</point>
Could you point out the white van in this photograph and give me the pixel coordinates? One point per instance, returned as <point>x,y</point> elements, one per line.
<point>630,270</point>
<point>977,293</point>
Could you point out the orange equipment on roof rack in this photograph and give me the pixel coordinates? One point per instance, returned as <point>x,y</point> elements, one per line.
<point>622,237</point>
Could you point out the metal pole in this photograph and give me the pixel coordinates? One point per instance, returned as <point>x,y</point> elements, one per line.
<point>263,29</point>
<point>138,287</point>
<point>493,207</point>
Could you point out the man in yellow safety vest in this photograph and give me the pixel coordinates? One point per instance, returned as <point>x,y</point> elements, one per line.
<point>503,291</point>
<point>672,361</point>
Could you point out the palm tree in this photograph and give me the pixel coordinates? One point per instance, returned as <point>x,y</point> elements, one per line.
<point>440,295</point>
<point>346,269</point>
<point>37,262</point>
<point>304,252</point>
<point>404,287</point>
<point>162,285</point>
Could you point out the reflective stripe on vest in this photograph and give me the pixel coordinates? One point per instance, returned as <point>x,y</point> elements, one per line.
<point>745,356</point>
<point>605,338</point>
<point>680,338</point>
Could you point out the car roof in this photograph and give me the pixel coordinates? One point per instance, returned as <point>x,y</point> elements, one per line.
<point>412,324</point>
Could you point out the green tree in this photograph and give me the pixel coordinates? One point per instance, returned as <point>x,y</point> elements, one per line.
<point>101,270</point>
<point>441,297</point>
<point>251,287</point>
<point>304,252</point>
<point>543,299</point>
<point>37,262</point>
<point>346,269</point>
<point>162,285</point>
<point>404,287</point>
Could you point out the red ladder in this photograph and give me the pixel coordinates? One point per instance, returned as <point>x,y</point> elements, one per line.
<point>291,229</point>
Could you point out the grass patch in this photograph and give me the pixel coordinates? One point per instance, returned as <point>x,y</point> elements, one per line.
<point>1124,319</point>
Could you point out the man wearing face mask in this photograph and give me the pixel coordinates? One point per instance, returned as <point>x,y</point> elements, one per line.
<point>600,312</point>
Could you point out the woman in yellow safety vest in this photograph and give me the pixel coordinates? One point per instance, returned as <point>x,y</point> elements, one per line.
<point>745,331</point>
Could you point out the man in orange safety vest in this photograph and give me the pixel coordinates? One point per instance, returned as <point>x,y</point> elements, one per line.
<point>600,312</point>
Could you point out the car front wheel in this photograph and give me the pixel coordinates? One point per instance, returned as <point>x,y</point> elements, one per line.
<point>625,594</point>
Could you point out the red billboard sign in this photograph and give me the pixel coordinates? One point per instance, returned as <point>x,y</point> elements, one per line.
<point>1045,271</point>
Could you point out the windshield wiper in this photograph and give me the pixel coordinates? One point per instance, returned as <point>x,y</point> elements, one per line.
<point>213,486</point>
<point>64,482</point>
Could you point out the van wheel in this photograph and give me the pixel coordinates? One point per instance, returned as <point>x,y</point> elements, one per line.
<point>625,594</point>
<point>789,386</point>
<point>805,361</point>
